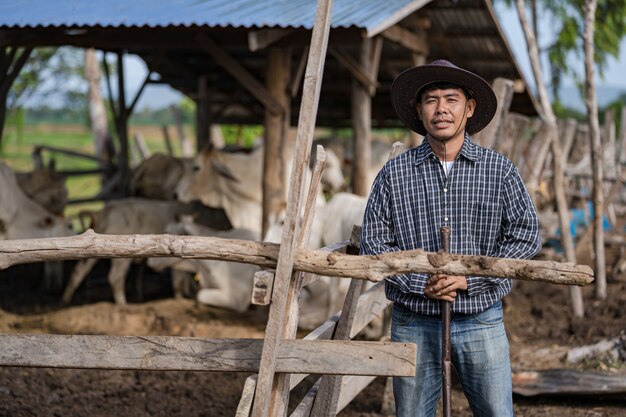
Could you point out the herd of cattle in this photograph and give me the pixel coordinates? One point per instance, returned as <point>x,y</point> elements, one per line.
<point>217,193</point>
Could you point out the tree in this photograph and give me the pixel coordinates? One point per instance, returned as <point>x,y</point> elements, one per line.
<point>596,148</point>
<point>577,34</point>
<point>26,72</point>
<point>97,109</point>
<point>570,36</point>
<point>550,119</point>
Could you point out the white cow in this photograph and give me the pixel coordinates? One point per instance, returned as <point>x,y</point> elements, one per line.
<point>343,149</point>
<point>332,223</point>
<point>222,284</point>
<point>46,187</point>
<point>333,180</point>
<point>123,217</point>
<point>158,176</point>
<point>233,181</point>
<point>23,218</point>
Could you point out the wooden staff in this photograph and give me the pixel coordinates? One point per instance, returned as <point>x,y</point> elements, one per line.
<point>446,370</point>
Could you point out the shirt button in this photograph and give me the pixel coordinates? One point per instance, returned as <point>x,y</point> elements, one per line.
<point>445,190</point>
<point>445,219</point>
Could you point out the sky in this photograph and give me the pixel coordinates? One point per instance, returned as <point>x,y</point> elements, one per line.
<point>616,69</point>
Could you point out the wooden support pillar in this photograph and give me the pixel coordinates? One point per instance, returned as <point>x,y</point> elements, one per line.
<point>415,138</point>
<point>278,76</point>
<point>362,126</point>
<point>203,137</point>
<point>122,125</point>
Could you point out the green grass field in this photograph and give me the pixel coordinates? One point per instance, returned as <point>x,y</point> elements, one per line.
<point>17,150</point>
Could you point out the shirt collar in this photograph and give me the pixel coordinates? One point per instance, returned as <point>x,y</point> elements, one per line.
<point>469,150</point>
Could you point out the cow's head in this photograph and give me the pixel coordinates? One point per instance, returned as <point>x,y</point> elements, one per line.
<point>46,187</point>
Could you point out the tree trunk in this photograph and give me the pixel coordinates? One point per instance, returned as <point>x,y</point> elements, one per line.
<point>97,109</point>
<point>12,65</point>
<point>596,149</point>
<point>550,118</point>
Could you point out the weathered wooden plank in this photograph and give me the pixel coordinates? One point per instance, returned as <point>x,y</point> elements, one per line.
<point>304,408</point>
<point>262,38</point>
<point>363,75</point>
<point>411,41</point>
<point>285,263</point>
<point>247,396</point>
<point>279,396</point>
<point>309,278</point>
<point>351,386</point>
<point>239,73</point>
<point>192,354</point>
<point>371,267</point>
<point>296,79</point>
<point>330,386</point>
<point>262,287</point>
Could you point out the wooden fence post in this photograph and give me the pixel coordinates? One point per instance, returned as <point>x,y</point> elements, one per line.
<point>282,286</point>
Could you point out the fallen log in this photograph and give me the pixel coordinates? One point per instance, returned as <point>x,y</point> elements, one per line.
<point>372,267</point>
<point>568,382</point>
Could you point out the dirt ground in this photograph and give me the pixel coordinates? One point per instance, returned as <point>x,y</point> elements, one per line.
<point>537,315</point>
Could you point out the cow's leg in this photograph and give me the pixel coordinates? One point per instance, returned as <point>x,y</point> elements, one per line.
<point>181,283</point>
<point>231,285</point>
<point>53,276</point>
<point>117,278</point>
<point>79,273</point>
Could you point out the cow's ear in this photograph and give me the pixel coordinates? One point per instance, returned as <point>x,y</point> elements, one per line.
<point>52,164</point>
<point>223,170</point>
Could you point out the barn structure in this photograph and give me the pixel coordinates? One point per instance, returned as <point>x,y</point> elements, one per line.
<point>243,61</point>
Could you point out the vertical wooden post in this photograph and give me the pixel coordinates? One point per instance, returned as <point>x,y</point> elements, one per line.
<point>608,146</point>
<point>167,141</point>
<point>534,162</point>
<point>362,126</point>
<point>567,241</point>
<point>185,145</point>
<point>122,124</point>
<point>202,115</point>
<point>278,75</point>
<point>490,135</point>
<point>415,139</point>
<point>284,264</point>
<point>596,148</point>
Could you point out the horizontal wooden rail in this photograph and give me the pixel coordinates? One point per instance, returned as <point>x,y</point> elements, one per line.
<point>373,268</point>
<point>167,353</point>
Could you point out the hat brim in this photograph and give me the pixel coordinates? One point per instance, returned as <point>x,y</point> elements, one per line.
<point>409,82</point>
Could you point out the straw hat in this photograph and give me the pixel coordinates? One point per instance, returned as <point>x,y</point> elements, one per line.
<point>409,82</point>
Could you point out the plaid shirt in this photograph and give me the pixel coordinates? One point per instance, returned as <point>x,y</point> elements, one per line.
<point>484,202</point>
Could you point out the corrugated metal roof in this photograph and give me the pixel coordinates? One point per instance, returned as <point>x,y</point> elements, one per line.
<point>367,14</point>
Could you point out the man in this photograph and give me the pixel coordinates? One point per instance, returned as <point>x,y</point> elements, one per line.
<point>477,193</point>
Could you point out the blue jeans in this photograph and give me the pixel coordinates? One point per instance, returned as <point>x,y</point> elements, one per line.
<point>480,356</point>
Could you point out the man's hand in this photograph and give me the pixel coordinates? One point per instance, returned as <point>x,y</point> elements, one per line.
<point>444,287</point>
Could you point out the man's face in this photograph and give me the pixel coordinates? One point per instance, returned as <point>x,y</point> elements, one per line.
<point>445,112</point>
